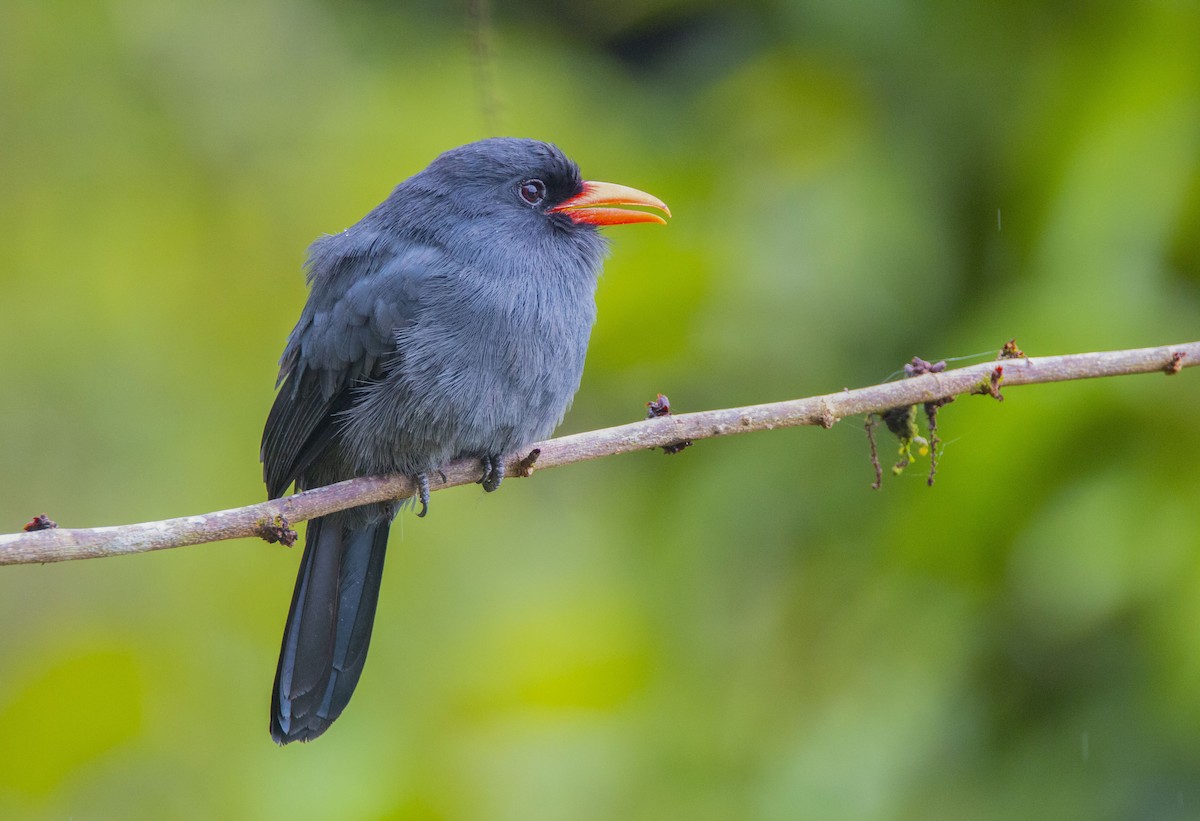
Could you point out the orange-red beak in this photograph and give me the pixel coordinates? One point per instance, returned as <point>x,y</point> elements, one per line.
<point>600,203</point>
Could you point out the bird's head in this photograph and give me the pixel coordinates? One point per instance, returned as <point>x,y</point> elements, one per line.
<point>532,181</point>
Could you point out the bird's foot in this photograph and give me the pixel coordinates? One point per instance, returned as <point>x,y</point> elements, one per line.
<point>422,494</point>
<point>493,473</point>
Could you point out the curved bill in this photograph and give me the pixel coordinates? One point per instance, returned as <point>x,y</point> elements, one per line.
<point>601,203</point>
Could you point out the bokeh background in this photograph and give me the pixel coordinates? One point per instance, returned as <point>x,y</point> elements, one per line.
<point>744,630</point>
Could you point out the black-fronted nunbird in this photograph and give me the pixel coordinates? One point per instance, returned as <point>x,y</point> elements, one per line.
<point>450,322</point>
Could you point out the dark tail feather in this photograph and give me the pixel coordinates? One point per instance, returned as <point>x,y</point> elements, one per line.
<point>328,627</point>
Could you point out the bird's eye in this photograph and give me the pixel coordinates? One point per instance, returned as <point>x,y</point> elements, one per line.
<point>533,191</point>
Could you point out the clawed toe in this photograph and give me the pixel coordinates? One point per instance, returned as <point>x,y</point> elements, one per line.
<point>422,494</point>
<point>493,473</point>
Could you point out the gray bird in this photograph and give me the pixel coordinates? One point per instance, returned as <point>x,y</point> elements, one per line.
<point>450,322</point>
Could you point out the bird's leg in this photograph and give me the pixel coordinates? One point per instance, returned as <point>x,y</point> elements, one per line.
<point>422,494</point>
<point>493,472</point>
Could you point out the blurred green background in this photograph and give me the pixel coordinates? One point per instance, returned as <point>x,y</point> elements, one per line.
<point>742,631</point>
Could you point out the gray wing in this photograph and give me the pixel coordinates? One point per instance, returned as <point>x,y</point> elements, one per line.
<point>364,288</point>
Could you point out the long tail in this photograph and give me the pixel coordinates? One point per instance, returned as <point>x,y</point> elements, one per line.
<point>328,626</point>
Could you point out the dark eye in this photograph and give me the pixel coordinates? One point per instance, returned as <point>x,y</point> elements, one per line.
<point>533,191</point>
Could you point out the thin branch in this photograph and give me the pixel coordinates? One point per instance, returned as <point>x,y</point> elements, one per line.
<point>479,24</point>
<point>62,544</point>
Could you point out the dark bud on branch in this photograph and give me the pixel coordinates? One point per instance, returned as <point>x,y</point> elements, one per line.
<point>1175,365</point>
<point>40,522</point>
<point>662,407</point>
<point>278,530</point>
<point>1010,351</point>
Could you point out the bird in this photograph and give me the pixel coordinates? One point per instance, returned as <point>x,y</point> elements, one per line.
<point>450,322</point>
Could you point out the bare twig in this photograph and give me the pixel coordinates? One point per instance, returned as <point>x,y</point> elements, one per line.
<point>267,518</point>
